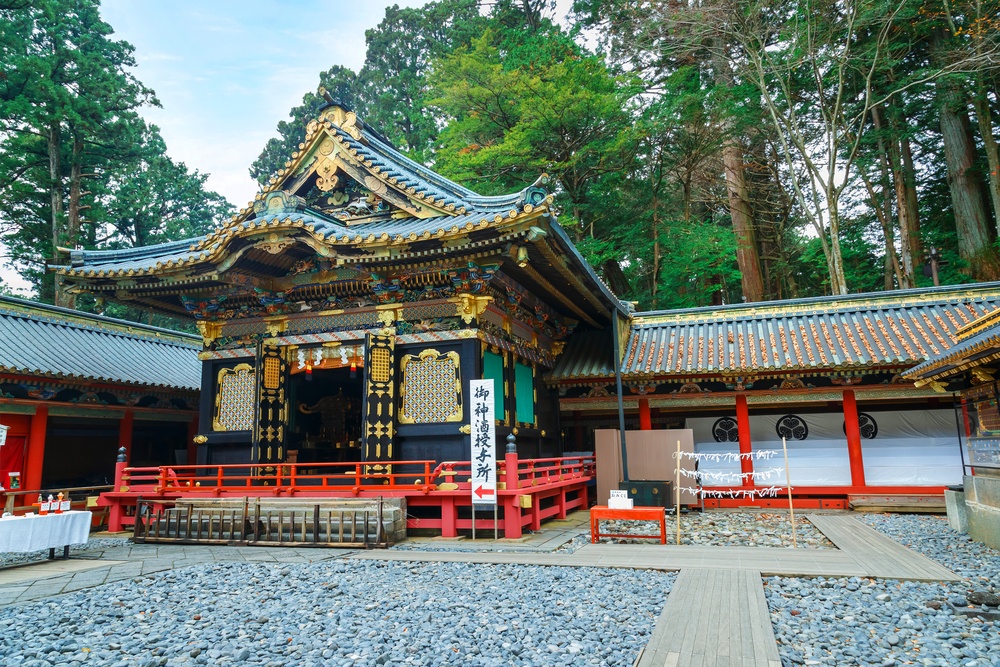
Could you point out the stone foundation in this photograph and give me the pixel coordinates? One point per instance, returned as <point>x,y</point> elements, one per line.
<point>982,507</point>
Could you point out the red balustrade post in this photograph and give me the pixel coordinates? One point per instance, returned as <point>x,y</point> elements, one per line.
<point>511,504</point>
<point>117,511</point>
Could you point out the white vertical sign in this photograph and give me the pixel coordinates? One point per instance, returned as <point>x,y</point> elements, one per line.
<point>484,438</point>
<point>3,435</point>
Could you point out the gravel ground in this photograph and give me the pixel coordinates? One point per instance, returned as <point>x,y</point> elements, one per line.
<point>340,613</point>
<point>92,549</point>
<point>858,621</point>
<point>725,529</point>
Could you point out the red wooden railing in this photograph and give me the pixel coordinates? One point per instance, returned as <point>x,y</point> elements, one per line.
<point>552,486</point>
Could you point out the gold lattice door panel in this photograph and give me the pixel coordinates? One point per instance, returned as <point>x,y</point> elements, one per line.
<point>431,388</point>
<point>234,399</point>
<point>379,399</point>
<point>271,426</point>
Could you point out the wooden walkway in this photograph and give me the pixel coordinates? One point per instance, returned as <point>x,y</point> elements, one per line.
<point>713,618</point>
<point>876,554</point>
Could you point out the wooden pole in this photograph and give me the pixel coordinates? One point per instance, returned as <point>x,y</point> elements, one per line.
<point>677,480</point>
<point>788,481</point>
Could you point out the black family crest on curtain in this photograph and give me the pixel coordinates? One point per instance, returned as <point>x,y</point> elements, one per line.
<point>792,427</point>
<point>726,430</point>
<point>269,433</point>
<point>867,426</point>
<point>379,400</point>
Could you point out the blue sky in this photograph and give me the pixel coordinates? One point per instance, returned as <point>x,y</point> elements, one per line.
<point>227,71</point>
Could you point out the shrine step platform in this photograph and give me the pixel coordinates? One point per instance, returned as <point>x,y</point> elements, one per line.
<point>713,617</point>
<point>326,522</point>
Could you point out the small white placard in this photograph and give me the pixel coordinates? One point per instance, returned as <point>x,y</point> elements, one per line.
<point>64,505</point>
<point>620,503</point>
<point>44,507</point>
<point>619,493</point>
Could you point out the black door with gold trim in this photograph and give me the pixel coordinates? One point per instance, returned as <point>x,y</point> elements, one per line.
<point>379,399</point>
<point>270,429</point>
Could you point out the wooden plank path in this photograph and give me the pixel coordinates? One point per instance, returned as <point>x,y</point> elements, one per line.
<point>876,554</point>
<point>713,618</point>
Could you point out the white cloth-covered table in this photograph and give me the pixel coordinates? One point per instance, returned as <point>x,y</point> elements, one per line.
<point>33,533</point>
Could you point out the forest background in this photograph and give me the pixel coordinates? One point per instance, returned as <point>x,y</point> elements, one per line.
<point>701,152</point>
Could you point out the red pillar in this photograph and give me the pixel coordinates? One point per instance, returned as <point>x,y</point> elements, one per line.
<point>34,458</point>
<point>965,419</point>
<point>511,504</point>
<point>125,431</point>
<point>743,427</point>
<point>853,438</point>
<point>192,448</point>
<point>645,419</point>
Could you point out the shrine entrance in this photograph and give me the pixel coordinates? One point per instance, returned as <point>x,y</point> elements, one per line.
<point>325,419</point>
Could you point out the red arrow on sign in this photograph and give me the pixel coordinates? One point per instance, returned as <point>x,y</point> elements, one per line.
<point>484,492</point>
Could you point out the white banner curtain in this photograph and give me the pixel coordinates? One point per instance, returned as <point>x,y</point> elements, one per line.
<point>912,447</point>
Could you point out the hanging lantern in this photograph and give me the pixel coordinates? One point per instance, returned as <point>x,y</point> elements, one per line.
<point>309,372</point>
<point>354,368</point>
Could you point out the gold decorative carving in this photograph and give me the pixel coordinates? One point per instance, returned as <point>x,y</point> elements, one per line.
<point>274,244</point>
<point>209,331</point>
<point>275,326</point>
<point>326,146</point>
<point>470,307</point>
<point>200,439</point>
<point>234,399</point>
<point>326,171</point>
<point>431,388</point>
<point>466,429</point>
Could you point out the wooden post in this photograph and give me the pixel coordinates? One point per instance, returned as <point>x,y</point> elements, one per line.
<point>192,446</point>
<point>512,506</point>
<point>34,458</point>
<point>788,481</point>
<point>853,432</point>
<point>125,432</point>
<point>743,429</point>
<point>645,419</point>
<point>677,477</point>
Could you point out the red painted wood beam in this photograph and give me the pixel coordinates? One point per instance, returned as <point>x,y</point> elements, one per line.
<point>645,419</point>
<point>125,432</point>
<point>743,428</point>
<point>34,458</point>
<point>853,439</point>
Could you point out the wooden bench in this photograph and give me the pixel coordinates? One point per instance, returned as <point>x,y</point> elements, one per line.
<point>602,512</point>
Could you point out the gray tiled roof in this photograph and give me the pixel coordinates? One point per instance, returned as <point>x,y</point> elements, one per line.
<point>894,329</point>
<point>36,339</point>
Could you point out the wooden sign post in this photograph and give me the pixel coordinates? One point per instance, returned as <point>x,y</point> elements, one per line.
<point>677,485</point>
<point>788,481</point>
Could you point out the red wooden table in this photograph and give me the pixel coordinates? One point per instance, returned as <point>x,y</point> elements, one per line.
<point>602,512</point>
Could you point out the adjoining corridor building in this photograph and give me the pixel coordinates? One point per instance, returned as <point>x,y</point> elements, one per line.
<point>75,387</point>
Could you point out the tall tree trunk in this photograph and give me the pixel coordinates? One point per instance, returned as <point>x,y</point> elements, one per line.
<point>889,161</point>
<point>985,121</point>
<point>912,206</point>
<point>656,244</point>
<point>838,282</point>
<point>965,186</point>
<point>58,230</point>
<point>75,189</point>
<point>747,256</point>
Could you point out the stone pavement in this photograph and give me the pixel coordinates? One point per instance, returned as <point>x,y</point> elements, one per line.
<point>732,575</point>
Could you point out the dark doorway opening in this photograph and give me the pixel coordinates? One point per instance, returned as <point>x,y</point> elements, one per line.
<point>325,421</point>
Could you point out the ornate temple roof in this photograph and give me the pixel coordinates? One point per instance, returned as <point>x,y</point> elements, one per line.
<point>42,340</point>
<point>890,330</point>
<point>974,345</point>
<point>350,199</point>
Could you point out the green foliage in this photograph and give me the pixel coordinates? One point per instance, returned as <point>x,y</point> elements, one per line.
<point>78,166</point>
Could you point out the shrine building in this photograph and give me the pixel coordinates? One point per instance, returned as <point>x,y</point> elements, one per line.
<point>345,311</point>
